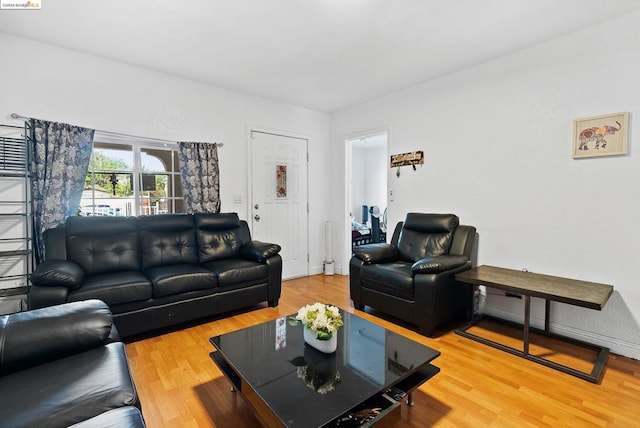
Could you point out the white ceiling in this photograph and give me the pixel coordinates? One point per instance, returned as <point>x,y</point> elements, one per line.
<point>321,54</point>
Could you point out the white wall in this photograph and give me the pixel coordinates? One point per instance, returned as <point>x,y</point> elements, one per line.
<point>56,84</point>
<point>497,143</point>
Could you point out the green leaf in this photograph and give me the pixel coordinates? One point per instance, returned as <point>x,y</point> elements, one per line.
<point>323,335</point>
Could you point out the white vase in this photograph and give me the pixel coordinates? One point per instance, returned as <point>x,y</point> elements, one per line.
<point>327,346</point>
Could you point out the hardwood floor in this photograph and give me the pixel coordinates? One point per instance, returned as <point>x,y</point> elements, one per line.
<point>478,386</point>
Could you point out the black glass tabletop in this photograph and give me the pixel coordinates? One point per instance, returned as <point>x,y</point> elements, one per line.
<point>304,387</point>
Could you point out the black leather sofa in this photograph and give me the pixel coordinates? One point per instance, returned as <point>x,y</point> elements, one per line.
<point>412,277</point>
<point>64,366</point>
<point>156,271</point>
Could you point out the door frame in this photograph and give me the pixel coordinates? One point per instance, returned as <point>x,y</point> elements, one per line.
<point>347,184</point>
<point>288,134</point>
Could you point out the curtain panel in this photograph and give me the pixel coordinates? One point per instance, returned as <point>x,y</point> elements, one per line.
<point>61,155</point>
<point>200,177</point>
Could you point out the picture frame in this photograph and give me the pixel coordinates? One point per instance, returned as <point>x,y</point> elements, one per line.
<point>605,135</point>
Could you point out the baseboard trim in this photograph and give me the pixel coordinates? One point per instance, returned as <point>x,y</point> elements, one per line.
<point>616,346</point>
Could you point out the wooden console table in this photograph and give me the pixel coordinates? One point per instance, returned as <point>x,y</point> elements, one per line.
<point>551,288</point>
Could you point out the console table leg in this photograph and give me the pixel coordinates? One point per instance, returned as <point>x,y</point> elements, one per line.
<point>547,310</point>
<point>527,316</point>
<point>409,401</point>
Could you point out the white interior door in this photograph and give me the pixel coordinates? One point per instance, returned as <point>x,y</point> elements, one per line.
<point>279,197</point>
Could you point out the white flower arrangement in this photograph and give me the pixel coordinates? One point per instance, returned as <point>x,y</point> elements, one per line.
<point>321,318</point>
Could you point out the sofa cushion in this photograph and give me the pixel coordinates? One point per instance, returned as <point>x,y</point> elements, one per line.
<point>103,244</point>
<point>393,278</point>
<point>69,390</point>
<point>167,239</point>
<point>113,288</point>
<point>122,417</point>
<point>177,279</point>
<point>426,235</point>
<point>234,271</point>
<point>167,248</point>
<point>218,236</point>
<point>98,252</point>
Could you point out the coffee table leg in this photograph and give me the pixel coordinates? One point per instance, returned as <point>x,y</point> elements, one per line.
<point>527,315</point>
<point>409,402</point>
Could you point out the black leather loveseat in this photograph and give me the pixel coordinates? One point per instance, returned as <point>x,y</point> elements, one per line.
<point>156,271</point>
<point>64,366</point>
<point>413,277</point>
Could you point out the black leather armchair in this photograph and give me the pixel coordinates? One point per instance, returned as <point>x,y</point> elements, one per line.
<point>412,278</point>
<point>64,365</point>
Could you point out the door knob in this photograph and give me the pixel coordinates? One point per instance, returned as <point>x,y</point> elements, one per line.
<point>256,217</point>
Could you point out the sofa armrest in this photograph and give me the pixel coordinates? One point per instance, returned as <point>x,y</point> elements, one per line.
<point>259,251</point>
<point>376,253</point>
<point>58,273</point>
<point>438,264</point>
<point>39,336</point>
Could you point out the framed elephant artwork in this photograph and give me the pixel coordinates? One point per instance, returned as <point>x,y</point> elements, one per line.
<point>605,135</point>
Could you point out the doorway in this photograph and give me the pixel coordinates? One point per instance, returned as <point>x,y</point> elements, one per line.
<point>367,188</point>
<point>279,197</point>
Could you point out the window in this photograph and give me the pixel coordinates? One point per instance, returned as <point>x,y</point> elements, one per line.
<point>126,179</point>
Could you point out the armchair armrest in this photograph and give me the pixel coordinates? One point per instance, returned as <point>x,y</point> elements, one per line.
<point>39,336</point>
<point>376,253</point>
<point>259,251</point>
<point>438,264</point>
<point>58,273</point>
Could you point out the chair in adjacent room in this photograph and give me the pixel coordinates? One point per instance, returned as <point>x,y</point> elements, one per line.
<point>413,277</point>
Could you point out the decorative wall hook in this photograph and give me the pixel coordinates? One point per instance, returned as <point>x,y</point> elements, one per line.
<point>403,159</point>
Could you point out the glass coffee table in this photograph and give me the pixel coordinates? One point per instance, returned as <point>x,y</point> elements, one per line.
<point>288,383</point>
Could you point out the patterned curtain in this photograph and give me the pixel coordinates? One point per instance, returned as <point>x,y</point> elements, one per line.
<point>61,155</point>
<point>200,177</point>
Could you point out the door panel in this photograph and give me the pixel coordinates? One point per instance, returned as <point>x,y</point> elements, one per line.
<point>279,197</point>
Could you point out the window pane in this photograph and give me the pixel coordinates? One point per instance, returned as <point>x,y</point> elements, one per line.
<point>106,207</point>
<point>110,195</point>
<point>112,185</point>
<point>112,157</point>
<point>155,160</point>
<point>155,185</point>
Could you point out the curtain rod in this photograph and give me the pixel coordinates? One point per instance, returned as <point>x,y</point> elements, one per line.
<point>117,134</point>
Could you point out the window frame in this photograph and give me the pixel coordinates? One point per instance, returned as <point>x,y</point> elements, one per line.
<point>138,146</point>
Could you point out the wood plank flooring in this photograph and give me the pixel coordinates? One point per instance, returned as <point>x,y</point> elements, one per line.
<point>478,386</point>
